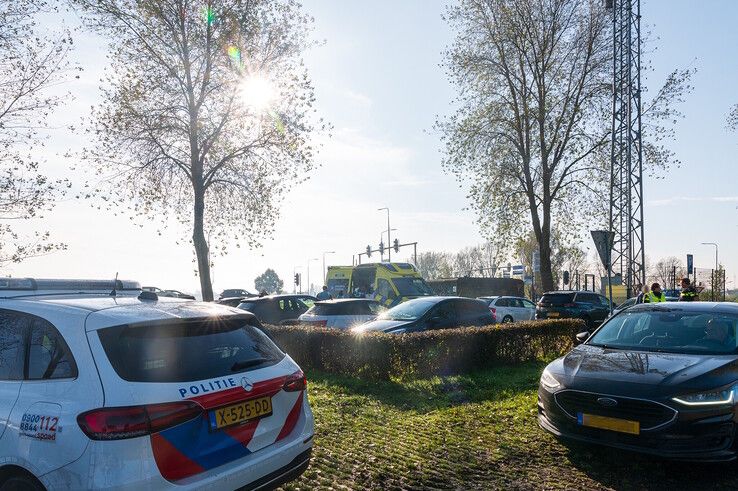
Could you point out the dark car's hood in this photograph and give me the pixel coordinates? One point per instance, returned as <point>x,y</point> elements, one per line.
<point>607,370</point>
<point>381,325</point>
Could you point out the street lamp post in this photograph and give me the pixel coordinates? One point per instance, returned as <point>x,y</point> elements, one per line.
<point>389,238</point>
<point>308,272</point>
<point>717,263</point>
<point>381,239</point>
<point>324,253</point>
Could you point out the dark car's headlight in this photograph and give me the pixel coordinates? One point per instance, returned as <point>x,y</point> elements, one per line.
<point>548,381</point>
<point>717,397</point>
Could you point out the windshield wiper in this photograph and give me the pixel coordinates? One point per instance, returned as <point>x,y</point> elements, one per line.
<point>240,365</point>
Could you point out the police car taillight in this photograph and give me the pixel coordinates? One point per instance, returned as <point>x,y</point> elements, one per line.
<point>118,423</point>
<point>296,381</point>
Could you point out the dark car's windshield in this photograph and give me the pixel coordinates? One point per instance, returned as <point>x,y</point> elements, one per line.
<point>557,298</point>
<point>669,330</point>
<point>408,311</point>
<point>412,287</point>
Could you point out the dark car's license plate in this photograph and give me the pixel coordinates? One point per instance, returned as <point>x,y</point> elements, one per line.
<point>612,424</point>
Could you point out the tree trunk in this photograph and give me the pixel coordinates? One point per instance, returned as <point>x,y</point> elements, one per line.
<point>544,245</point>
<point>201,247</point>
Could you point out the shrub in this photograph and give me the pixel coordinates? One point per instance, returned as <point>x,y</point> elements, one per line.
<point>441,352</point>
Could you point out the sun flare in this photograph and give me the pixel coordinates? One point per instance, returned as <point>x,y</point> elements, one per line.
<point>257,92</point>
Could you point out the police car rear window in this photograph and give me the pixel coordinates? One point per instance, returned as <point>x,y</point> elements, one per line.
<point>187,350</point>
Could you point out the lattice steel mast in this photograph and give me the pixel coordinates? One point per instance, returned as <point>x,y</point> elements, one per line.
<point>626,171</point>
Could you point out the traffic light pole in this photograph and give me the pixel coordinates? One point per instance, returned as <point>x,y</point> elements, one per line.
<point>396,246</point>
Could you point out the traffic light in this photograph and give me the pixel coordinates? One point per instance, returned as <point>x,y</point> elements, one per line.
<point>566,277</point>
<point>381,248</point>
<point>397,245</point>
<point>297,279</point>
<point>368,251</point>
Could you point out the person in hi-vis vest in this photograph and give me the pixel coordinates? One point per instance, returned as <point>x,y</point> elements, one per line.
<point>655,295</point>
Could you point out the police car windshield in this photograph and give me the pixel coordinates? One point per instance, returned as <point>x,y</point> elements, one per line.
<point>670,331</point>
<point>187,350</point>
<point>408,311</point>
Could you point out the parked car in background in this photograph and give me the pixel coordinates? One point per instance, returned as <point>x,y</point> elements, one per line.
<point>176,294</point>
<point>103,387</point>
<point>657,378</point>
<point>278,309</point>
<point>342,313</point>
<point>235,292</point>
<point>591,307</point>
<point>429,313</point>
<point>511,309</point>
<point>627,304</point>
<point>168,293</point>
<point>231,301</point>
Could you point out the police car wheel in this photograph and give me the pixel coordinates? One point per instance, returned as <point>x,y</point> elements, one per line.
<point>21,483</point>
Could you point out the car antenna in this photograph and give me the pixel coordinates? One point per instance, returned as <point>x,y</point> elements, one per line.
<point>115,285</point>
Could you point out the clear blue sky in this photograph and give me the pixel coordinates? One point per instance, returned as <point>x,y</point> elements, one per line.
<point>378,81</point>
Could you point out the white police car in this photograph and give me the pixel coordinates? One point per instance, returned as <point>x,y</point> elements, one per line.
<point>119,389</point>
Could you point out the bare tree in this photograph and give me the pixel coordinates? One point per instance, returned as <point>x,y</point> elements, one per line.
<point>31,63</point>
<point>668,271</point>
<point>207,114</point>
<point>531,132</point>
<point>433,265</point>
<point>563,256</point>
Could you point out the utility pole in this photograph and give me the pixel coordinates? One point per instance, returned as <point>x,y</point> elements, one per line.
<point>626,153</point>
<point>389,238</point>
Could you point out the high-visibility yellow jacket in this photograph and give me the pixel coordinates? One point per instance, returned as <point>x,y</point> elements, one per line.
<point>653,298</point>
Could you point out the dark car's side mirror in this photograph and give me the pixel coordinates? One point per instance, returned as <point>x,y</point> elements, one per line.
<point>582,337</point>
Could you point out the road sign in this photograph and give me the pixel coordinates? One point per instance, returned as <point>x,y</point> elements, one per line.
<point>690,264</point>
<point>603,240</point>
<point>536,262</point>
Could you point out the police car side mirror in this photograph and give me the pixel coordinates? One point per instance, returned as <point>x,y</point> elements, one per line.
<point>582,337</point>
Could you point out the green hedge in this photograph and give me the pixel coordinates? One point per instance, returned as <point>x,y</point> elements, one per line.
<point>441,352</point>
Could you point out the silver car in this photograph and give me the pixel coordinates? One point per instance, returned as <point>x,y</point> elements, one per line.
<point>511,309</point>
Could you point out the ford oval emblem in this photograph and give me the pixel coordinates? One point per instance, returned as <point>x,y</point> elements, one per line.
<point>247,386</point>
<point>607,402</point>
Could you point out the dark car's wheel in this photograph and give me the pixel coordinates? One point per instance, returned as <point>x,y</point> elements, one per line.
<point>21,483</point>
<point>588,321</point>
<point>507,319</point>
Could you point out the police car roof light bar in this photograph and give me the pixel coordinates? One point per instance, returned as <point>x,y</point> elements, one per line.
<point>32,284</point>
